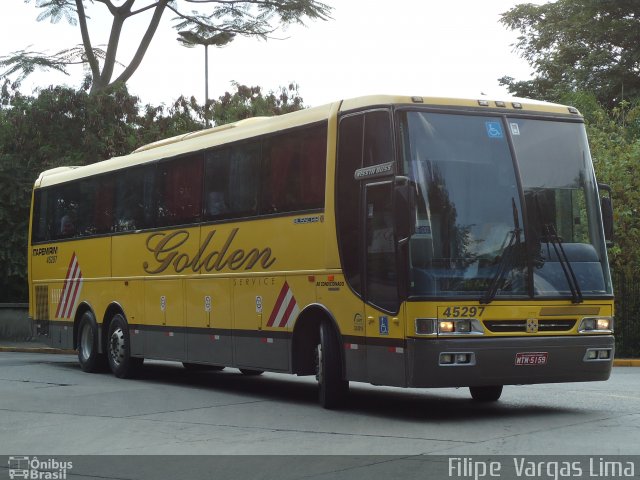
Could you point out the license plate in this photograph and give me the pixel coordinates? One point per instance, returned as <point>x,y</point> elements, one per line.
<point>531,358</point>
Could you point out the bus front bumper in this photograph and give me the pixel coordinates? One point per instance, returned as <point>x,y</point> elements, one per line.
<point>508,361</point>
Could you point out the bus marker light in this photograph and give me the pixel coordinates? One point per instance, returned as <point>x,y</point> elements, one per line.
<point>311,278</point>
<point>483,103</point>
<point>351,346</point>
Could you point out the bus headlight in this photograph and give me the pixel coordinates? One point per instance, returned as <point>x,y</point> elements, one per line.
<point>596,324</point>
<point>460,326</point>
<point>426,326</point>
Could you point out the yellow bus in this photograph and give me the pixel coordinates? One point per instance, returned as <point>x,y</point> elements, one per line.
<point>403,241</point>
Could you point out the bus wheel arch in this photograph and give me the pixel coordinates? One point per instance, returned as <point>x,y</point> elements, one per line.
<point>306,335</point>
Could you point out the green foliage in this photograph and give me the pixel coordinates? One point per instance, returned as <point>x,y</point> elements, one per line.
<point>247,102</point>
<point>61,127</point>
<point>615,147</point>
<point>578,45</point>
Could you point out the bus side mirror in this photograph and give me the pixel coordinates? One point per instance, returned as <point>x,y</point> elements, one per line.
<point>606,206</point>
<point>404,205</point>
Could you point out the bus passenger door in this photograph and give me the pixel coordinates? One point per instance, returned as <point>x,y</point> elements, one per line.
<point>384,320</point>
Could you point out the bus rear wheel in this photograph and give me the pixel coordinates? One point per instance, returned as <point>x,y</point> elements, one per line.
<point>89,357</point>
<point>486,393</point>
<point>332,387</point>
<point>122,364</point>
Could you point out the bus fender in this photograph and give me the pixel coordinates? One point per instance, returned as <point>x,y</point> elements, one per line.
<point>306,335</point>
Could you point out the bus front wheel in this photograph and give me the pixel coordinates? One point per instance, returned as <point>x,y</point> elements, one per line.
<point>486,393</point>
<point>89,357</point>
<point>332,387</point>
<point>122,364</point>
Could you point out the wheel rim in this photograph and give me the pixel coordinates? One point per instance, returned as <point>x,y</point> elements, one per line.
<point>86,341</point>
<point>319,361</point>
<point>117,349</point>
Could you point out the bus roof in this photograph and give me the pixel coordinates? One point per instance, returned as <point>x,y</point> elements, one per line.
<point>228,133</point>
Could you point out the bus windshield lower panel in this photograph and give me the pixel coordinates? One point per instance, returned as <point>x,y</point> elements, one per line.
<point>472,237</point>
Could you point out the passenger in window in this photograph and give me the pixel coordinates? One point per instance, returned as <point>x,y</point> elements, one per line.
<point>67,227</point>
<point>216,204</point>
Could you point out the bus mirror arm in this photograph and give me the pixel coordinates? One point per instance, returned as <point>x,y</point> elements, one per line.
<point>606,206</point>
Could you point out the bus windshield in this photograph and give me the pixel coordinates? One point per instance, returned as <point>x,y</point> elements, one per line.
<point>473,236</point>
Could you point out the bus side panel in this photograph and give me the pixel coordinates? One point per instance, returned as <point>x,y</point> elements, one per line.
<point>208,320</point>
<point>254,298</point>
<point>164,319</point>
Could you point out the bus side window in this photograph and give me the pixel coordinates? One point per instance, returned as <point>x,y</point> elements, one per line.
<point>294,171</point>
<point>231,178</point>
<point>134,192</point>
<point>348,206</point>
<point>179,191</point>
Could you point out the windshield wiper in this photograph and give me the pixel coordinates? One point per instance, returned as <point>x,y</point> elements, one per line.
<point>507,260</point>
<point>574,286</point>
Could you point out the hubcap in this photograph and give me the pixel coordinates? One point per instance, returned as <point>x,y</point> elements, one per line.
<point>86,341</point>
<point>319,363</point>
<point>117,346</point>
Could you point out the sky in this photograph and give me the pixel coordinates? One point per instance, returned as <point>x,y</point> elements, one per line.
<point>412,47</point>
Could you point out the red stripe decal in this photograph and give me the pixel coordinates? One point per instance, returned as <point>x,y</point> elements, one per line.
<point>74,295</point>
<point>276,308</point>
<point>64,288</point>
<point>287,313</point>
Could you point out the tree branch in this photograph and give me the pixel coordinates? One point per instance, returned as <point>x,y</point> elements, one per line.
<point>144,44</point>
<point>86,41</point>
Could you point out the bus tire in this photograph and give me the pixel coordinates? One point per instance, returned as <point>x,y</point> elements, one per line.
<point>89,356</point>
<point>251,372</point>
<point>332,387</point>
<point>122,364</point>
<point>201,367</point>
<point>486,393</point>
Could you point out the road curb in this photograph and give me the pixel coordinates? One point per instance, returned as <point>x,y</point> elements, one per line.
<point>37,350</point>
<point>626,362</point>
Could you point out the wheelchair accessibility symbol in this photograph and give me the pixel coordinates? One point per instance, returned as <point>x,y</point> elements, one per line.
<point>494,129</point>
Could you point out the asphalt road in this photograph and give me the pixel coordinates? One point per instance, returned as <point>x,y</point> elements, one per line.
<point>47,404</point>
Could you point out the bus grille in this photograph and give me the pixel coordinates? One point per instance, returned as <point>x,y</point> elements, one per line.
<point>520,326</point>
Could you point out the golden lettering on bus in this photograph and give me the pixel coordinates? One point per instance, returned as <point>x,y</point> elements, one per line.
<point>166,251</point>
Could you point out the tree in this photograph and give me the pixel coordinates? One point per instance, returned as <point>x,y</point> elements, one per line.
<point>578,45</point>
<point>219,19</point>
